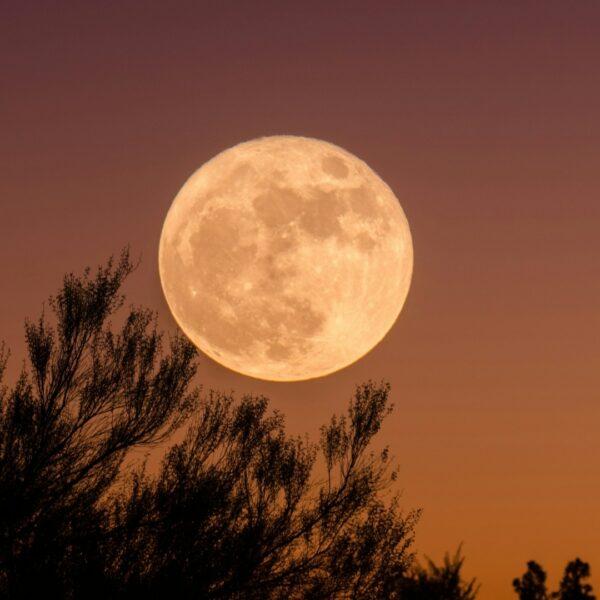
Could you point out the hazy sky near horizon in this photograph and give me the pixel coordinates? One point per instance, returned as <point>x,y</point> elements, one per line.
<point>481,116</point>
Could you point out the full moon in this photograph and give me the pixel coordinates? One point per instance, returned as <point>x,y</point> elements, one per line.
<point>285,258</point>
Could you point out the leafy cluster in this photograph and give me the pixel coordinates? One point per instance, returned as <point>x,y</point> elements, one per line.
<point>443,582</point>
<point>573,585</point>
<point>234,510</point>
<point>89,397</point>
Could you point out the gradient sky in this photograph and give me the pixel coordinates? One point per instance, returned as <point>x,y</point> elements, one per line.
<point>483,117</point>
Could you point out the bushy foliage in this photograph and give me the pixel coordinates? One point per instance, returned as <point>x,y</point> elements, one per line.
<point>573,585</point>
<point>532,585</point>
<point>438,582</point>
<point>89,397</point>
<point>235,510</point>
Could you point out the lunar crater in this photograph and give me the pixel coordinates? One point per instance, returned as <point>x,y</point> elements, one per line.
<point>335,166</point>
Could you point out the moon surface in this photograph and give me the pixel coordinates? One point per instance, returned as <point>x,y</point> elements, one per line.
<point>285,258</point>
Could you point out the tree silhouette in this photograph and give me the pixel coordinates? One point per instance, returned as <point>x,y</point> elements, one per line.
<point>572,585</point>
<point>443,582</point>
<point>235,510</point>
<point>532,585</point>
<point>89,397</point>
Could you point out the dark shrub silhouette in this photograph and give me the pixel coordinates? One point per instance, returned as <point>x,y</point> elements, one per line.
<point>234,511</point>
<point>438,582</point>
<point>572,585</point>
<point>89,397</point>
<point>532,585</point>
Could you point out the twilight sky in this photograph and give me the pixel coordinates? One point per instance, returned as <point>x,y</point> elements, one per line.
<point>481,116</point>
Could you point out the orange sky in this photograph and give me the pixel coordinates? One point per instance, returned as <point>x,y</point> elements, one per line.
<point>481,116</point>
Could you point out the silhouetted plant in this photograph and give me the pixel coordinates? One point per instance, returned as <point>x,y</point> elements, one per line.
<point>532,585</point>
<point>438,582</point>
<point>572,585</point>
<point>233,512</point>
<point>89,397</point>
